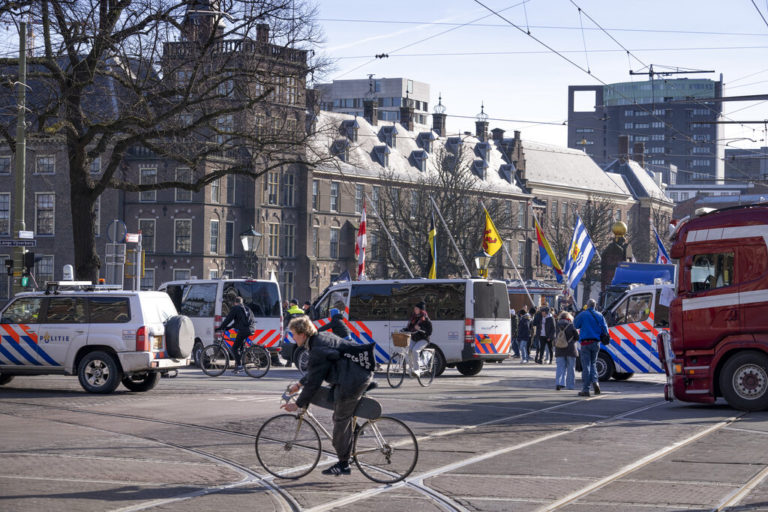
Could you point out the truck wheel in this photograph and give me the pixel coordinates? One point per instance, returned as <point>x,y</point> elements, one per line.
<point>469,368</point>
<point>744,381</point>
<point>98,372</point>
<point>622,376</point>
<point>439,361</point>
<point>605,367</point>
<point>141,382</point>
<point>5,379</point>
<point>179,336</point>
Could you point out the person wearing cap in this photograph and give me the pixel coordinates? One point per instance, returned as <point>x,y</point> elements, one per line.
<point>293,311</point>
<point>336,325</point>
<point>420,327</point>
<point>307,307</point>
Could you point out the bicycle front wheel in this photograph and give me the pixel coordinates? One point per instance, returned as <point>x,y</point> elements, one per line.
<point>256,361</point>
<point>301,359</point>
<point>214,360</point>
<point>396,369</point>
<point>288,446</point>
<point>426,366</point>
<point>385,450</point>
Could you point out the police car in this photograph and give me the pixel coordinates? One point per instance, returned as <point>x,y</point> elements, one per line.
<point>103,335</point>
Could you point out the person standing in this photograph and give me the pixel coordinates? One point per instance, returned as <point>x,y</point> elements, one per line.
<point>524,334</point>
<point>293,311</point>
<point>591,325</point>
<point>239,319</point>
<point>535,328</point>
<point>546,335</point>
<point>565,357</point>
<point>513,321</point>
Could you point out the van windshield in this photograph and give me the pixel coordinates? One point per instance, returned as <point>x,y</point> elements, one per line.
<point>491,300</point>
<point>262,298</point>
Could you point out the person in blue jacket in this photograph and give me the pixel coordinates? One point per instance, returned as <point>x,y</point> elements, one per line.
<point>591,325</point>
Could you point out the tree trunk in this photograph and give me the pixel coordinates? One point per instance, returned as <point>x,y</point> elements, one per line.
<point>82,200</point>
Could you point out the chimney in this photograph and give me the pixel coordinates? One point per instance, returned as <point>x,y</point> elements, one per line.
<point>371,111</point>
<point>497,134</point>
<point>638,153</point>
<point>262,33</point>
<point>623,148</point>
<point>438,117</point>
<point>406,114</point>
<point>481,125</point>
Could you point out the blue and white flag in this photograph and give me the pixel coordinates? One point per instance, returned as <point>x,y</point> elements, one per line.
<point>662,256</point>
<point>580,254</point>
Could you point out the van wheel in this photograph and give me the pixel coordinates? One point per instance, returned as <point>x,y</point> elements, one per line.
<point>744,381</point>
<point>439,359</point>
<point>141,382</point>
<point>5,379</point>
<point>605,367</point>
<point>622,376</point>
<point>469,368</point>
<point>98,372</point>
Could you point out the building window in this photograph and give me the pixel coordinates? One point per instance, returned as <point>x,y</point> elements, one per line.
<point>273,187</point>
<point>216,192</point>
<point>225,125</point>
<point>288,234</point>
<point>373,246</point>
<point>44,269</point>
<point>213,273</point>
<point>520,214</point>
<point>375,195</point>
<point>288,189</point>
<point>5,165</point>
<point>315,241</point>
<point>181,274</point>
<point>628,113</point>
<point>657,149</point>
<point>45,164</point>
<point>182,236</point>
<point>334,245</point>
<point>628,126</point>
<point>315,193</point>
<point>147,228</point>
<point>274,240</point>
<point>287,283</point>
<point>521,253</point>
<point>45,213</point>
<point>334,196</point>
<point>229,239</point>
<point>147,281</point>
<point>97,216</point>
<point>231,188</point>
<point>183,175</point>
<point>96,165</point>
<point>5,213</point>
<point>657,124</point>
<point>359,193</point>
<point>291,90</point>
<point>414,204</point>
<point>657,136</point>
<point>148,176</point>
<point>553,212</point>
<point>214,245</point>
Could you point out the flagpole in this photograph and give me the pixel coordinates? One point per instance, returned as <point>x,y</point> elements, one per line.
<point>455,246</point>
<point>509,256</point>
<point>392,240</point>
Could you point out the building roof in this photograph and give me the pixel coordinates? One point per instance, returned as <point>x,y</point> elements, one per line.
<point>639,181</point>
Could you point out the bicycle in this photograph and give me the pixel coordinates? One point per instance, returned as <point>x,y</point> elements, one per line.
<point>214,358</point>
<point>398,363</point>
<point>384,449</point>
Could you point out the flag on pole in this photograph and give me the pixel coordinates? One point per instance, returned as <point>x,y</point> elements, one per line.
<point>432,237</point>
<point>580,254</point>
<point>546,254</point>
<point>491,238</point>
<point>360,244</point>
<point>662,256</point>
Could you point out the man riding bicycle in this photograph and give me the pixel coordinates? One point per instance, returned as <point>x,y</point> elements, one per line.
<point>241,318</point>
<point>420,327</point>
<point>349,381</point>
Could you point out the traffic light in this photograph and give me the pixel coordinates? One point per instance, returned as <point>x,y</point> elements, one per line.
<point>9,266</point>
<point>27,265</point>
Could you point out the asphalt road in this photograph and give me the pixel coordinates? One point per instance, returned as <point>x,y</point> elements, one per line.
<point>503,440</point>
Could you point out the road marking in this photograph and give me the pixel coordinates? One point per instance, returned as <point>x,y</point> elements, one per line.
<point>739,494</point>
<point>86,480</point>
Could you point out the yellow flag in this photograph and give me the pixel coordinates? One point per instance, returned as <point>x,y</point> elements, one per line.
<point>491,238</point>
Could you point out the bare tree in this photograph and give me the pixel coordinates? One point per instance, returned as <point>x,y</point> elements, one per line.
<point>597,216</point>
<point>216,86</point>
<point>407,210</point>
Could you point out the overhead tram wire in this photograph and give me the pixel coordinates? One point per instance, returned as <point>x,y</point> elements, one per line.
<point>760,13</point>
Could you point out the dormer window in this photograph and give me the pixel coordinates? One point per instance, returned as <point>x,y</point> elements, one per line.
<point>382,155</point>
<point>349,129</point>
<point>419,158</point>
<point>479,167</point>
<point>340,149</point>
<point>452,144</point>
<point>483,150</point>
<point>424,140</point>
<point>507,172</point>
<point>388,135</point>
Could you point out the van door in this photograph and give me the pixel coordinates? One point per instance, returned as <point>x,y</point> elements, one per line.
<point>633,343</point>
<point>491,319</point>
<point>64,328</point>
<point>19,334</point>
<point>263,297</point>
<point>370,317</point>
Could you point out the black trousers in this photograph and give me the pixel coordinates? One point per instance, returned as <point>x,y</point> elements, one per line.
<point>237,346</point>
<point>343,423</point>
<point>544,343</point>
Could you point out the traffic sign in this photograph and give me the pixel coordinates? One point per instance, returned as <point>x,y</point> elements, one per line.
<point>27,235</point>
<point>132,238</point>
<point>18,243</point>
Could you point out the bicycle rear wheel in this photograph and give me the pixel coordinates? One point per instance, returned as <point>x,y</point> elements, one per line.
<point>214,360</point>
<point>426,366</point>
<point>288,446</point>
<point>256,361</point>
<point>396,369</point>
<point>385,450</point>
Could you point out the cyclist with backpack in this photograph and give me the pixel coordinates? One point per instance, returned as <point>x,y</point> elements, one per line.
<point>565,352</point>
<point>242,320</point>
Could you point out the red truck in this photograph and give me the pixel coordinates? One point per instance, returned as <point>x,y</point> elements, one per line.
<point>717,345</point>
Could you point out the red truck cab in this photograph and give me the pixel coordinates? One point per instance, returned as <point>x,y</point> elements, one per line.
<point>718,340</point>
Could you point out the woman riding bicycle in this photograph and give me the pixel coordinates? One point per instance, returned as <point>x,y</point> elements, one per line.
<point>420,327</point>
<point>349,381</point>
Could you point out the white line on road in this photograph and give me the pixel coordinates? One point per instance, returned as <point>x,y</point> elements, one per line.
<point>739,494</point>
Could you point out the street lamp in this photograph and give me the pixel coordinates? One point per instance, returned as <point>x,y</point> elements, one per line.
<point>482,260</point>
<point>251,239</point>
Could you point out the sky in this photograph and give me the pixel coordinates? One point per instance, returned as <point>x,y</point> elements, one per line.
<point>470,55</point>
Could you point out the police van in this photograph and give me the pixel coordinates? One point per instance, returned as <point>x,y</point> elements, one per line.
<point>208,301</point>
<point>470,317</point>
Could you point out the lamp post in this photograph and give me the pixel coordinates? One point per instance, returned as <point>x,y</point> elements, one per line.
<point>482,260</point>
<point>251,239</point>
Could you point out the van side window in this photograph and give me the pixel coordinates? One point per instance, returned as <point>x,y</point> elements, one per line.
<point>710,271</point>
<point>65,310</point>
<point>444,301</point>
<point>262,298</point>
<point>199,300</point>
<point>370,302</point>
<point>109,310</point>
<point>23,311</point>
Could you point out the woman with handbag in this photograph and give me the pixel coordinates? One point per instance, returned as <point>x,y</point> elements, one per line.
<point>565,352</point>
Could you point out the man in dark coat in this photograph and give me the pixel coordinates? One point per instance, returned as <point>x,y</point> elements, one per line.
<point>240,320</point>
<point>336,325</point>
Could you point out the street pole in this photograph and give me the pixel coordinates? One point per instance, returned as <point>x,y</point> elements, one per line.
<point>21,157</point>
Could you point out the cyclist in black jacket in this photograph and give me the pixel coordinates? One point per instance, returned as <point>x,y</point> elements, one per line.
<point>336,325</point>
<point>240,319</point>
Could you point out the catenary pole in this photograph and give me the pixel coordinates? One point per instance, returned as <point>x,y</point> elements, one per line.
<point>20,154</point>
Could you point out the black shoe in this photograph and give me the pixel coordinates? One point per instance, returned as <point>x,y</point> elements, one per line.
<point>583,393</point>
<point>596,388</point>
<point>558,387</point>
<point>340,468</point>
